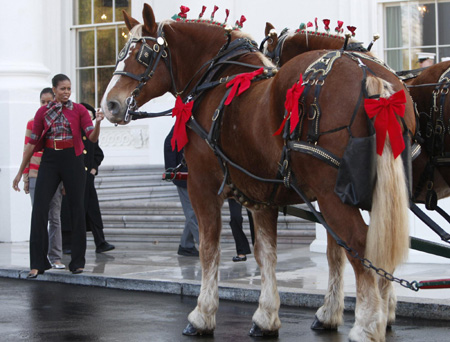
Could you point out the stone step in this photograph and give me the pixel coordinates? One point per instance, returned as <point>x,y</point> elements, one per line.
<point>137,205</point>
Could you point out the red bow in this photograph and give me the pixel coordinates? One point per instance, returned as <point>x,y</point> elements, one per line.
<point>315,21</point>
<point>309,24</point>
<point>240,23</point>
<point>227,12</point>
<point>182,112</point>
<point>326,22</point>
<point>243,82</point>
<point>183,12</point>
<point>291,105</point>
<point>386,121</point>
<point>352,29</point>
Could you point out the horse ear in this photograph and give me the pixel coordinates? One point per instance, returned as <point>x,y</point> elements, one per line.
<point>149,19</point>
<point>129,21</point>
<point>273,42</point>
<point>269,27</point>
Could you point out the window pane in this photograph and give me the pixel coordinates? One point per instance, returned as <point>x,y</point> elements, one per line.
<point>394,27</point>
<point>83,15</point>
<point>86,86</point>
<point>106,47</point>
<point>444,53</point>
<point>103,11</point>
<point>423,24</point>
<point>120,6</point>
<point>104,75</point>
<point>397,59</point>
<point>122,37</point>
<point>444,23</point>
<point>86,48</point>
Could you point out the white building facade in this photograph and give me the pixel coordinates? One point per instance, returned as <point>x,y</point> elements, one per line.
<point>81,38</point>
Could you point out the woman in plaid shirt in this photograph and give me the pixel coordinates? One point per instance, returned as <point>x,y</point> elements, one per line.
<point>57,129</point>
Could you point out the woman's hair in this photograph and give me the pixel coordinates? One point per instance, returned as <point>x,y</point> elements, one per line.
<point>59,78</point>
<point>46,91</point>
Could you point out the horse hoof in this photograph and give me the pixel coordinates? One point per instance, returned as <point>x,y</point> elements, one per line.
<point>256,331</point>
<point>318,325</point>
<point>190,330</point>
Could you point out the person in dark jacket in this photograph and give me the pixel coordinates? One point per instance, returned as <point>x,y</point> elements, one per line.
<point>93,157</point>
<point>172,158</point>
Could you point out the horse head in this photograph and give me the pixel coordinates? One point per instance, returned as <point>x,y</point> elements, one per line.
<point>144,57</point>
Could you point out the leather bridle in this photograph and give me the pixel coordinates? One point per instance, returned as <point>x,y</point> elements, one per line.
<point>149,57</point>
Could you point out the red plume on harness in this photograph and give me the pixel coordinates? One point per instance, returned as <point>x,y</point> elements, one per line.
<point>183,12</point>
<point>384,111</point>
<point>326,23</point>
<point>241,82</point>
<point>202,12</point>
<point>239,23</point>
<point>352,29</point>
<point>339,28</point>
<point>214,12</point>
<point>227,12</point>
<point>182,112</point>
<point>291,105</point>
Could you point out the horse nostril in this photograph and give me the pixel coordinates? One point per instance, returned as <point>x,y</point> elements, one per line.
<point>114,107</point>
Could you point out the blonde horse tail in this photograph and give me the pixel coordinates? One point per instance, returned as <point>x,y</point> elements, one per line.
<point>387,242</point>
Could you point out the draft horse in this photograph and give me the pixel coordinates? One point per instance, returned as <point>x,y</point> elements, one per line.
<point>232,151</point>
<point>283,48</point>
<point>428,89</point>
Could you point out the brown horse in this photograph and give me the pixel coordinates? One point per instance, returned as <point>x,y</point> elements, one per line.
<point>432,170</point>
<point>241,158</point>
<point>285,47</point>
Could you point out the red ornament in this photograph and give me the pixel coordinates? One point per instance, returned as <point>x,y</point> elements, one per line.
<point>202,12</point>
<point>326,22</point>
<point>182,112</point>
<point>384,111</point>
<point>352,29</point>
<point>183,12</point>
<point>227,12</point>
<point>317,27</point>
<point>213,12</point>
<point>339,29</point>
<point>291,105</point>
<point>243,82</point>
<point>309,24</point>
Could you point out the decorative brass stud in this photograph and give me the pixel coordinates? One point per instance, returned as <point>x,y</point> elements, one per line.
<point>84,137</point>
<point>272,33</point>
<point>274,71</point>
<point>376,36</point>
<point>228,29</point>
<point>241,199</point>
<point>235,192</point>
<point>85,168</point>
<point>245,203</point>
<point>84,151</point>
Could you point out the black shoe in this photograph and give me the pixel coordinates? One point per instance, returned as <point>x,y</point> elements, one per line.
<point>188,251</point>
<point>33,275</point>
<point>104,247</point>
<point>78,271</point>
<point>237,258</point>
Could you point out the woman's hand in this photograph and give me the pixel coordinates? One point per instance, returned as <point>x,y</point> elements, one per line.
<point>16,181</point>
<point>99,115</point>
<point>26,187</point>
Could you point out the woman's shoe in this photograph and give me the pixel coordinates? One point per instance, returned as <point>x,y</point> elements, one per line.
<point>58,266</point>
<point>238,258</point>
<point>78,271</point>
<point>34,273</point>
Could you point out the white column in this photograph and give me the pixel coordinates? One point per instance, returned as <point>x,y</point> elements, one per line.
<point>23,74</point>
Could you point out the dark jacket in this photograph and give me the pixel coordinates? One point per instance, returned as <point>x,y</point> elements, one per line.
<point>173,158</point>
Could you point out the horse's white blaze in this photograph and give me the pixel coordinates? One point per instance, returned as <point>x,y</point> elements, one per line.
<point>111,85</point>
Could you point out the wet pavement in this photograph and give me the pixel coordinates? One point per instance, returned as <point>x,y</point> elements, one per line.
<point>301,275</point>
<point>36,311</point>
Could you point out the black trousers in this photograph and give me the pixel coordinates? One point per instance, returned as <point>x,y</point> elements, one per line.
<point>57,166</point>
<point>242,246</point>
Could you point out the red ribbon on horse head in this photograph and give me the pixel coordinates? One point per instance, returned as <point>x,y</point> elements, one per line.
<point>386,122</point>
<point>182,112</point>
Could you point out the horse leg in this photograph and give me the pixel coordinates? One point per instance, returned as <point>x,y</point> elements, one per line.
<point>202,320</point>
<point>348,224</point>
<point>389,300</point>
<point>330,314</point>
<point>265,319</point>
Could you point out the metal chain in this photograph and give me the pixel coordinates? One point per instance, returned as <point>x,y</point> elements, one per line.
<point>414,285</point>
